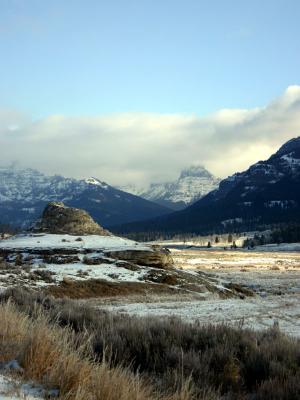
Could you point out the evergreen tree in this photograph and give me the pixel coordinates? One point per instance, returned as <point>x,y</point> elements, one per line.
<point>229,239</point>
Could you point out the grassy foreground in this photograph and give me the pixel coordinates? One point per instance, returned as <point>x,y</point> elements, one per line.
<point>89,354</point>
<point>56,358</point>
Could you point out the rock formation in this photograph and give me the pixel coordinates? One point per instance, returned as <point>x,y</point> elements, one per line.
<point>157,258</point>
<point>49,245</point>
<point>60,219</point>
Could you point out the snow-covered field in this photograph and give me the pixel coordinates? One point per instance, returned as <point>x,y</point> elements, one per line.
<point>257,313</point>
<point>107,269</point>
<point>274,277</point>
<point>201,244</point>
<point>37,241</point>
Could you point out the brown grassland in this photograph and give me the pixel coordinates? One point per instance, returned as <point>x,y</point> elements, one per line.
<point>91,354</point>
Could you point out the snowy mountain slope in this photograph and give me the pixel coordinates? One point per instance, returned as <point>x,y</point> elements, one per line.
<point>267,193</point>
<point>24,193</point>
<point>192,184</point>
<point>264,175</point>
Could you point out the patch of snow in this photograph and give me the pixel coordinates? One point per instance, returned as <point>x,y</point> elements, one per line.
<point>30,210</point>
<point>231,221</point>
<point>96,242</point>
<point>290,160</point>
<point>12,389</point>
<point>279,247</point>
<point>94,181</point>
<point>280,203</point>
<point>80,271</point>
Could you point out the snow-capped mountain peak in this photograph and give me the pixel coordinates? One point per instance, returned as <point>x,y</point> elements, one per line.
<point>193,183</point>
<point>285,163</point>
<point>198,171</point>
<point>290,146</point>
<point>95,181</point>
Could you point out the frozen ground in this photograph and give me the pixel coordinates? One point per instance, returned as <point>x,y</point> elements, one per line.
<point>257,313</point>
<point>201,244</point>
<point>34,272</point>
<point>42,260</point>
<point>39,241</point>
<point>267,273</point>
<point>11,389</point>
<point>274,277</point>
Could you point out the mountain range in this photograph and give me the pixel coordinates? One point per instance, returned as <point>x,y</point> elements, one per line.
<point>193,183</point>
<point>25,192</point>
<point>267,193</point>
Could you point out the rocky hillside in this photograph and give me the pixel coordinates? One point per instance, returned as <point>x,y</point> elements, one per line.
<point>67,242</point>
<point>192,184</point>
<point>68,255</point>
<point>267,193</point>
<point>25,192</point>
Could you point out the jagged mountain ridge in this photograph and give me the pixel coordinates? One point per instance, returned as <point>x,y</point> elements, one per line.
<point>25,192</point>
<point>267,193</point>
<point>193,183</point>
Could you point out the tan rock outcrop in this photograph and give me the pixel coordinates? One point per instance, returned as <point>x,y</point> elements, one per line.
<point>157,257</point>
<point>60,219</point>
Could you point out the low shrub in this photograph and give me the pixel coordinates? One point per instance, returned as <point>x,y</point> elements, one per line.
<point>240,363</point>
<point>52,356</point>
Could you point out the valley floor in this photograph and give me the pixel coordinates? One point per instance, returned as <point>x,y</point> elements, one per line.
<point>245,289</point>
<point>251,288</point>
<point>274,277</point>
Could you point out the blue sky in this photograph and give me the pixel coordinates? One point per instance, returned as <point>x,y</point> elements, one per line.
<point>96,57</point>
<point>132,91</point>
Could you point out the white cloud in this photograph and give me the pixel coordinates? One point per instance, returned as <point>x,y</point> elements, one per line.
<point>143,147</point>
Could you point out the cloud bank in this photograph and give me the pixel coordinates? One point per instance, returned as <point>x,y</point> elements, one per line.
<point>141,148</point>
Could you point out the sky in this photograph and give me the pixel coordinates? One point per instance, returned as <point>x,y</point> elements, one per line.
<point>132,91</point>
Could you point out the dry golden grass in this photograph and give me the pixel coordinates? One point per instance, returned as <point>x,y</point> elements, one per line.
<point>12,332</point>
<point>52,356</point>
<point>94,288</point>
